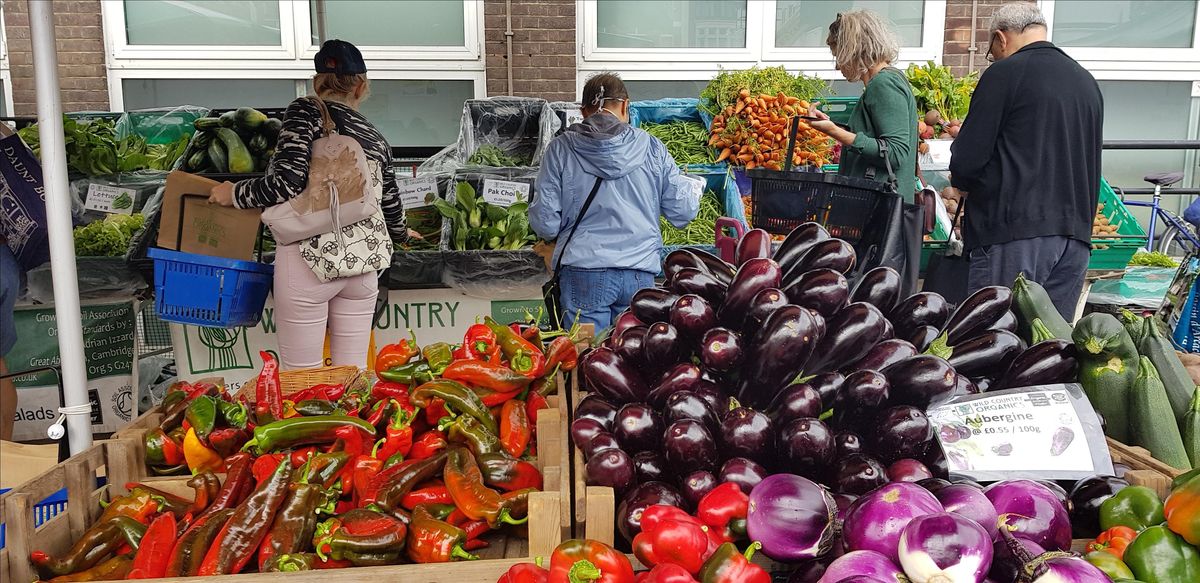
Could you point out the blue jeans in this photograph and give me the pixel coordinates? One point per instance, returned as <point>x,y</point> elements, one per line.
<point>599,295</point>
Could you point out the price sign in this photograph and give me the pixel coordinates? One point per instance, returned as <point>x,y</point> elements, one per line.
<point>573,116</point>
<point>1035,432</point>
<point>417,192</point>
<point>110,199</point>
<point>505,193</point>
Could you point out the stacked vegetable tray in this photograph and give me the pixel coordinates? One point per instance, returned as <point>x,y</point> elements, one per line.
<point>453,454</point>
<point>773,406</point>
<point>1121,236</point>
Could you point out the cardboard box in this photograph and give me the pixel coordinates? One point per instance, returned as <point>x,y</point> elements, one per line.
<point>21,462</point>
<point>208,229</point>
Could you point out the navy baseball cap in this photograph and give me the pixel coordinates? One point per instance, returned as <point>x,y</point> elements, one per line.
<point>339,57</point>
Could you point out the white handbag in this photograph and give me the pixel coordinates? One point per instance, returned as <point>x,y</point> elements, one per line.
<point>338,192</point>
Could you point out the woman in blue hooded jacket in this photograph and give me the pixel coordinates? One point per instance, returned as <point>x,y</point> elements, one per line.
<point>615,250</point>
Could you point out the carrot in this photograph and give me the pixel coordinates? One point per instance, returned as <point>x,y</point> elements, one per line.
<point>750,165</point>
<point>739,107</point>
<point>724,154</point>
<point>744,93</point>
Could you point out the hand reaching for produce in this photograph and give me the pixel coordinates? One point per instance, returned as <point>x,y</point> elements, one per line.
<point>222,194</point>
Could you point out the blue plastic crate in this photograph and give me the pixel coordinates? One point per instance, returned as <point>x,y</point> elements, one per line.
<point>209,291</point>
<point>42,511</point>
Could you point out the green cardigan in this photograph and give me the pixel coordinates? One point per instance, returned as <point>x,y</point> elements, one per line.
<point>886,110</point>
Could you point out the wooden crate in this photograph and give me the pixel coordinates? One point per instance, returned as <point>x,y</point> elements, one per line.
<point>120,461</point>
<point>1144,470</point>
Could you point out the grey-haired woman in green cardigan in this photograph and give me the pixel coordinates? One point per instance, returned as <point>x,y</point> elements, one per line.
<point>864,48</point>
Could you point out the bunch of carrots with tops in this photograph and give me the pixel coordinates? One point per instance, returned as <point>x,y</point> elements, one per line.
<point>753,132</point>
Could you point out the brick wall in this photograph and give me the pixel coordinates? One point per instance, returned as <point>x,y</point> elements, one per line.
<point>81,69</point>
<point>543,51</point>
<point>958,33</point>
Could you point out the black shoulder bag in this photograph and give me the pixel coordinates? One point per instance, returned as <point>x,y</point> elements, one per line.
<point>551,290</point>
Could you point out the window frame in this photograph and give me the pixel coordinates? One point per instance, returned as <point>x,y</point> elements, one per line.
<point>1135,64</point>
<point>5,70</point>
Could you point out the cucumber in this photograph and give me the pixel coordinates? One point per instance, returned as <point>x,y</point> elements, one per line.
<point>227,119</point>
<point>1108,364</point>
<point>1148,407</point>
<point>220,160</point>
<point>1190,428</point>
<point>1155,346</point>
<point>206,123</point>
<point>240,161</point>
<point>1030,301</point>
<point>248,117</point>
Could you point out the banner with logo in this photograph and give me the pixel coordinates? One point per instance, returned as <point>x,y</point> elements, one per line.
<point>434,315</point>
<point>108,339</point>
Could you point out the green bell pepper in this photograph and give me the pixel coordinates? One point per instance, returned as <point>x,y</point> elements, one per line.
<point>1158,555</point>
<point>1137,507</point>
<point>1109,563</point>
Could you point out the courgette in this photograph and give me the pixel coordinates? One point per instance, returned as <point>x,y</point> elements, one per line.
<point>1190,428</point>
<point>206,123</point>
<point>1135,325</point>
<point>1148,408</point>
<point>1108,364</point>
<point>1180,386</point>
<point>203,139</point>
<point>1030,301</point>
<point>198,160</point>
<point>227,119</point>
<point>248,117</point>
<point>240,161</point>
<point>271,129</point>
<point>257,144</point>
<point>220,159</point>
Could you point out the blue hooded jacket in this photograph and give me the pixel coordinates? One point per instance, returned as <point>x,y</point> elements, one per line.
<point>641,181</point>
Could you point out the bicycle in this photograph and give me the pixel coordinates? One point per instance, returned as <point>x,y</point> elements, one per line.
<point>1179,238</point>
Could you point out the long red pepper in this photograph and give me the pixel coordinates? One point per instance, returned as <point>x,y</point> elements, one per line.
<point>515,431</point>
<point>155,550</point>
<point>268,404</point>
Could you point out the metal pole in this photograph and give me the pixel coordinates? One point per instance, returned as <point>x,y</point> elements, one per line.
<point>58,218</point>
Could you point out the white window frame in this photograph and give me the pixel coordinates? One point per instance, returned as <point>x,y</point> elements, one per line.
<point>470,50</point>
<point>117,40</point>
<point>692,64</point>
<point>1134,64</point>
<point>5,71</point>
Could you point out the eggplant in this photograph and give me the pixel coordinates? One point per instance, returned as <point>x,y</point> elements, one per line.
<point>827,385</point>
<point>624,321</point>
<point>908,470</point>
<point>762,306</point>
<point>595,407</point>
<point>865,390</point>
<point>692,315</point>
<point>921,381</point>
<point>1006,322</point>
<point>696,485</point>
<point>1045,363</point>
<point>584,428</point>
<point>1086,497</point>
<point>858,474</point>
<point>698,282</point>
<point>879,287</point>
<point>850,334</point>
<point>686,404</point>
<point>778,353</point>
<point>935,460</point>
<point>919,309</point>
<point>963,385</point>
<point>883,354</point>
<point>681,377</point>
<point>846,443</point>
<point>629,345</point>
<point>755,244</point>
<point>714,396</point>
<point>977,313</point>
<point>1006,567</point>
<point>721,350</point>
<point>798,242</point>
<point>834,254</point>
<point>889,331</point>
<point>752,277</point>
<point>643,496</point>
<point>612,468</point>
<point>689,446</point>
<point>746,473</point>
<point>663,347</point>
<point>747,433</point>
<point>823,290</point>
<point>598,443</point>
<point>793,518</point>
<point>922,337</point>
<point>690,258</point>
<point>935,485</point>
<point>649,466</point>
<point>639,427</point>
<point>794,402</point>
<point>806,447</point>
<point>903,432</point>
<point>945,547</point>
<point>612,377</point>
<point>653,304</point>
<point>988,354</point>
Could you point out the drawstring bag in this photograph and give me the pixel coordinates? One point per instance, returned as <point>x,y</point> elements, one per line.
<point>338,193</point>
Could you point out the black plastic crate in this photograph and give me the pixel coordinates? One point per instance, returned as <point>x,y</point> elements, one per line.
<point>783,200</point>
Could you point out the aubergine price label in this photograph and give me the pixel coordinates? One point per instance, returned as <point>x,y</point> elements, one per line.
<point>505,193</point>
<point>110,199</point>
<point>417,192</point>
<point>1048,432</point>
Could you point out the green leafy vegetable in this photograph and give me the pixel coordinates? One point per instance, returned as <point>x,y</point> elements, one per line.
<point>936,88</point>
<point>1155,259</point>
<point>723,90</point>
<point>492,155</point>
<point>702,229</point>
<point>93,148</point>
<point>109,237</point>
<point>686,141</point>
<point>478,224</point>
<point>123,201</point>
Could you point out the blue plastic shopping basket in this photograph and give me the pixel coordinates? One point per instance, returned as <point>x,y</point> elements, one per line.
<point>208,291</point>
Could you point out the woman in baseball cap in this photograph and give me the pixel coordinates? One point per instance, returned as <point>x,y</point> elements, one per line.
<point>328,281</point>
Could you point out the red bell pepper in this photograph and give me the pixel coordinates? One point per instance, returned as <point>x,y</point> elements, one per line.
<point>724,510</point>
<point>666,573</point>
<point>525,573</point>
<point>562,353</point>
<point>523,356</point>
<point>429,444</point>
<point>155,550</point>
<point>727,565</point>
<point>268,392</point>
<point>393,355</point>
<point>588,560</point>
<point>1113,541</point>
<point>480,343</point>
<point>670,535</point>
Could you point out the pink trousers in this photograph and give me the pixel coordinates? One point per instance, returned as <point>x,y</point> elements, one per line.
<point>305,307</point>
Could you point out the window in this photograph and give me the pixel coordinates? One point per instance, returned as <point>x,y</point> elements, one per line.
<point>805,23</point>
<point>415,113</point>
<point>642,90</point>
<point>1125,23</point>
<point>224,23</point>
<point>671,24</point>
<point>212,93</point>
<point>433,23</point>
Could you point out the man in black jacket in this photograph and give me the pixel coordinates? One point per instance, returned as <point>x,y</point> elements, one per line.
<point>1028,155</point>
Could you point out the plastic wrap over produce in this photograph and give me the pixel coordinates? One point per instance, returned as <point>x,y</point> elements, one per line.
<point>419,262</point>
<point>488,252</point>
<point>94,198</point>
<point>99,278</point>
<point>497,132</point>
<point>162,125</point>
<point>556,117</point>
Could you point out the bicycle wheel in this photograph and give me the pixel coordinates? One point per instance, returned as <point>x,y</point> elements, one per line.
<point>1172,242</point>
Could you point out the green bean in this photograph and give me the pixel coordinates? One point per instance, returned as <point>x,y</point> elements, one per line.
<point>686,141</point>
<point>700,231</point>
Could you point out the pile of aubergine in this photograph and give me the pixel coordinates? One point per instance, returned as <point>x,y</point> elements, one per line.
<point>775,364</point>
